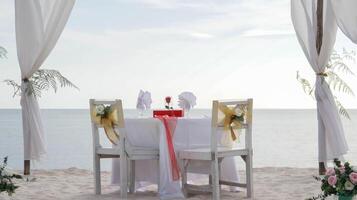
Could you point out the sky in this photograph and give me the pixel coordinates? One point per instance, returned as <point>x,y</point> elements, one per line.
<point>215,49</point>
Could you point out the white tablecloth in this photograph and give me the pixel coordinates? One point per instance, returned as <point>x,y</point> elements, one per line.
<point>189,133</point>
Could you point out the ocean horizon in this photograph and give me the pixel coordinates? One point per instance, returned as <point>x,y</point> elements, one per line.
<point>281,137</point>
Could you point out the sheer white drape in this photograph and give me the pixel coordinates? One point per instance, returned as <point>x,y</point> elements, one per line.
<point>346,17</point>
<point>39,23</point>
<point>332,142</point>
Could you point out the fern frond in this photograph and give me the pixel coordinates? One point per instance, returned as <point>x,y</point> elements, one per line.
<point>342,67</point>
<point>335,82</point>
<point>42,80</point>
<point>306,86</point>
<point>342,110</point>
<point>33,89</point>
<point>349,55</point>
<point>335,55</point>
<point>54,76</point>
<point>16,87</point>
<point>3,52</point>
<point>336,65</point>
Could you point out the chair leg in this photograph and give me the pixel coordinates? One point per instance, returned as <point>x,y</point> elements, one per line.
<point>123,173</point>
<point>158,176</point>
<point>219,172</point>
<point>184,164</point>
<point>97,174</point>
<point>132,177</point>
<point>215,180</point>
<point>249,175</point>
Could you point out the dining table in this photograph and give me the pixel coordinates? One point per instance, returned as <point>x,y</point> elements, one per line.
<point>190,132</point>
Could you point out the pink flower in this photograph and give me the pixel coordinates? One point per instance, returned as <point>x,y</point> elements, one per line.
<point>353,177</point>
<point>342,169</point>
<point>332,180</point>
<point>330,172</point>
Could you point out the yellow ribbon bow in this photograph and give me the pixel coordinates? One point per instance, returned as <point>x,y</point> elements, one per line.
<point>108,123</point>
<point>231,120</point>
<point>323,74</point>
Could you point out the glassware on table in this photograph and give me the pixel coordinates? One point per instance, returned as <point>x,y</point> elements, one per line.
<point>186,112</point>
<point>141,112</point>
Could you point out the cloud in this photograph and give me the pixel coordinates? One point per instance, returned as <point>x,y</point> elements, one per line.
<point>265,33</point>
<point>231,18</point>
<point>198,19</point>
<point>201,35</point>
<point>7,17</point>
<point>163,4</point>
<point>111,39</point>
<point>139,43</point>
<point>6,9</point>
<point>177,4</point>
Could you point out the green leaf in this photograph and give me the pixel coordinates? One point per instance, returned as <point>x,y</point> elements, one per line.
<point>16,87</point>
<point>342,67</point>
<point>338,63</point>
<point>342,110</point>
<point>337,83</point>
<point>349,55</point>
<point>6,183</point>
<point>306,86</point>
<point>42,80</point>
<point>3,52</point>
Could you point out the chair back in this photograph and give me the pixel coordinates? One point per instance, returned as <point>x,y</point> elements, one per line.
<point>223,110</point>
<point>119,116</point>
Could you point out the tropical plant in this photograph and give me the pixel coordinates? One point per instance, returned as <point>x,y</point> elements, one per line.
<point>3,52</point>
<point>6,179</point>
<point>337,66</point>
<point>41,80</point>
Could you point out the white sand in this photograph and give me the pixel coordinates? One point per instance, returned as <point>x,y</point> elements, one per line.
<point>270,184</point>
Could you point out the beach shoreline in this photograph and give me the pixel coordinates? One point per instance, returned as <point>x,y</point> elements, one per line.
<point>269,183</point>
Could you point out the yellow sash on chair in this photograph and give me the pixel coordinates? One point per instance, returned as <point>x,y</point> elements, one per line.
<point>231,120</point>
<point>108,124</point>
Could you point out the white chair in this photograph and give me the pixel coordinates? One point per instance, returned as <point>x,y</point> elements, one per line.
<point>216,153</point>
<point>125,152</point>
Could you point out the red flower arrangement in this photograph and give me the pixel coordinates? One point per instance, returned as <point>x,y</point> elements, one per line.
<point>168,101</point>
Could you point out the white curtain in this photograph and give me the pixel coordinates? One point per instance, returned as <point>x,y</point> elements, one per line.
<point>332,142</point>
<point>346,17</point>
<point>39,23</point>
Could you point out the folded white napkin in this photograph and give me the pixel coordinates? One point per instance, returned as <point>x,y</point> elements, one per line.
<point>187,100</point>
<point>144,100</point>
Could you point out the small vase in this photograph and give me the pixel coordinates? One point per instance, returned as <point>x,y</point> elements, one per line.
<point>345,197</point>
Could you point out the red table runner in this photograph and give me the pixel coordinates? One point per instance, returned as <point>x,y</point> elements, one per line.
<point>170,126</point>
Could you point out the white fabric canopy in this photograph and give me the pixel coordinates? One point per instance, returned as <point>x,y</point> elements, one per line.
<point>332,142</point>
<point>39,23</point>
<point>346,17</point>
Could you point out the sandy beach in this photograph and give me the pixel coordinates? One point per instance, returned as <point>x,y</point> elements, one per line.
<point>136,91</point>
<point>73,183</point>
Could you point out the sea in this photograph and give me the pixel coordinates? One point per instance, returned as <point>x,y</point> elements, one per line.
<point>281,138</point>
